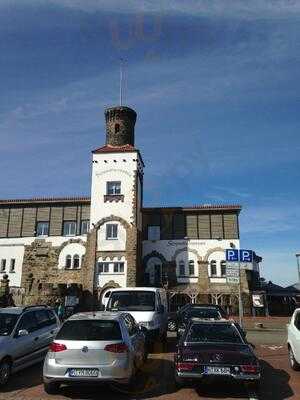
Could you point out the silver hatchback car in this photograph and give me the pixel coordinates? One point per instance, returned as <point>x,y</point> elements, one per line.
<point>95,347</point>
<point>25,335</point>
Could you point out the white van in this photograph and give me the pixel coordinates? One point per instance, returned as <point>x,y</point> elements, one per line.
<point>148,306</point>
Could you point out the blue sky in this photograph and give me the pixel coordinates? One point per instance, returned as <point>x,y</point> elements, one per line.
<point>216,87</point>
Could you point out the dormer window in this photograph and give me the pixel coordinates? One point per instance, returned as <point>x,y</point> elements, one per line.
<point>117,128</point>
<point>113,188</point>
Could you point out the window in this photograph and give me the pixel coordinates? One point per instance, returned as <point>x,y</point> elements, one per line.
<point>181,268</point>
<point>76,263</point>
<point>90,329</point>
<point>84,227</point>
<point>223,268</point>
<point>113,188</point>
<point>68,261</point>
<point>42,229</point>
<point>119,267</point>
<point>3,265</point>
<point>69,228</point>
<point>103,267</point>
<point>191,267</point>
<point>42,318</point>
<point>153,232</point>
<point>12,265</point>
<point>28,322</point>
<point>111,231</point>
<point>213,268</point>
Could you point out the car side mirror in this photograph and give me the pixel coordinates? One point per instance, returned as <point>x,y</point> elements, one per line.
<point>161,309</point>
<point>23,332</point>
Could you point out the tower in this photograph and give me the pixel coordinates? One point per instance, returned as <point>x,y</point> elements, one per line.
<point>116,202</point>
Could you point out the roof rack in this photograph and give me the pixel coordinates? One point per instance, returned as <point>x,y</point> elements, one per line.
<point>36,306</point>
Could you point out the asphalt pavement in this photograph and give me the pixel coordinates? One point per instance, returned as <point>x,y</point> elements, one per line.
<point>155,381</point>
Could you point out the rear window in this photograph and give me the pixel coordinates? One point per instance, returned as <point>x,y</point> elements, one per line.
<point>204,313</point>
<point>213,333</point>
<point>90,330</point>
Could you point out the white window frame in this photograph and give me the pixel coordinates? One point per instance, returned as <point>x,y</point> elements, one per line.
<point>153,232</point>
<point>119,267</point>
<point>105,267</point>
<point>192,264</point>
<point>113,188</point>
<point>72,224</point>
<point>213,263</point>
<point>113,235</point>
<point>12,265</point>
<point>181,265</point>
<point>86,223</point>
<point>223,264</point>
<point>45,232</point>
<point>3,265</point>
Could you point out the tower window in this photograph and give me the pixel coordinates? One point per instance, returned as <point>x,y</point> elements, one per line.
<point>111,231</point>
<point>113,188</point>
<point>117,128</point>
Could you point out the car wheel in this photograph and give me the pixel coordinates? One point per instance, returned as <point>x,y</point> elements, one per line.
<point>293,363</point>
<point>5,368</point>
<point>172,325</point>
<point>51,387</point>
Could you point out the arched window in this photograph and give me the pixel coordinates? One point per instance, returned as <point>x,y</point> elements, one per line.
<point>68,261</point>
<point>191,267</point>
<point>223,268</point>
<point>117,128</point>
<point>181,268</point>
<point>213,268</point>
<point>76,261</point>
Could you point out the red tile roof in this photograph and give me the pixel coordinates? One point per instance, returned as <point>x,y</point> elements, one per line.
<point>115,149</point>
<point>82,199</point>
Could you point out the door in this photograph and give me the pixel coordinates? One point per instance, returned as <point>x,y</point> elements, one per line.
<point>25,346</point>
<point>46,330</point>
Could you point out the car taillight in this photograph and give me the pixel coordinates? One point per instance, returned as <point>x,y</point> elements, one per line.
<point>116,348</point>
<point>249,369</point>
<point>185,366</point>
<point>56,347</point>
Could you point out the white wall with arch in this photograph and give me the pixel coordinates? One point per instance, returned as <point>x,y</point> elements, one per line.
<point>71,251</point>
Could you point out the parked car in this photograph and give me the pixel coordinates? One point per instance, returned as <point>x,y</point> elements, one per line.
<point>95,347</point>
<point>148,306</point>
<point>215,349</point>
<point>25,335</point>
<point>293,340</point>
<point>200,313</point>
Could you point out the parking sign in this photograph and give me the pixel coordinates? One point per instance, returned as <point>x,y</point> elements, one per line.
<point>232,255</point>
<point>246,255</point>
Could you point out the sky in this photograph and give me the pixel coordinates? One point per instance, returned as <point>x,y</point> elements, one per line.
<point>216,87</point>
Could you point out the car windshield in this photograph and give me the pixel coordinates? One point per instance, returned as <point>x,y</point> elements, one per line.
<point>7,323</point>
<point>203,313</point>
<point>90,330</point>
<point>213,333</point>
<point>136,300</point>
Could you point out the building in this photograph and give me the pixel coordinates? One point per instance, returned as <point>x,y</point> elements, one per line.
<point>86,245</point>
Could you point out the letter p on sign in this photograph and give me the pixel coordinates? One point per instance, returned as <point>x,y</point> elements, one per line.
<point>232,255</point>
<point>246,255</point>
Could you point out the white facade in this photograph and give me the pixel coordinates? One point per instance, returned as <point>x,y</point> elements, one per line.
<point>14,248</point>
<point>186,254</point>
<point>123,168</point>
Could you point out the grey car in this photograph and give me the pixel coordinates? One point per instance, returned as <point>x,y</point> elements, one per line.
<point>95,347</point>
<point>25,335</point>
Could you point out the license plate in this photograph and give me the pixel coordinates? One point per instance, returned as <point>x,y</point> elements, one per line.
<point>84,372</point>
<point>217,371</point>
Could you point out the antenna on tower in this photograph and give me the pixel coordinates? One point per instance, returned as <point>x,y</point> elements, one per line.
<point>121,79</point>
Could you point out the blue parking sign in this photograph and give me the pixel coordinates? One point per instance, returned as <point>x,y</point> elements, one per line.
<point>232,255</point>
<point>246,256</point>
